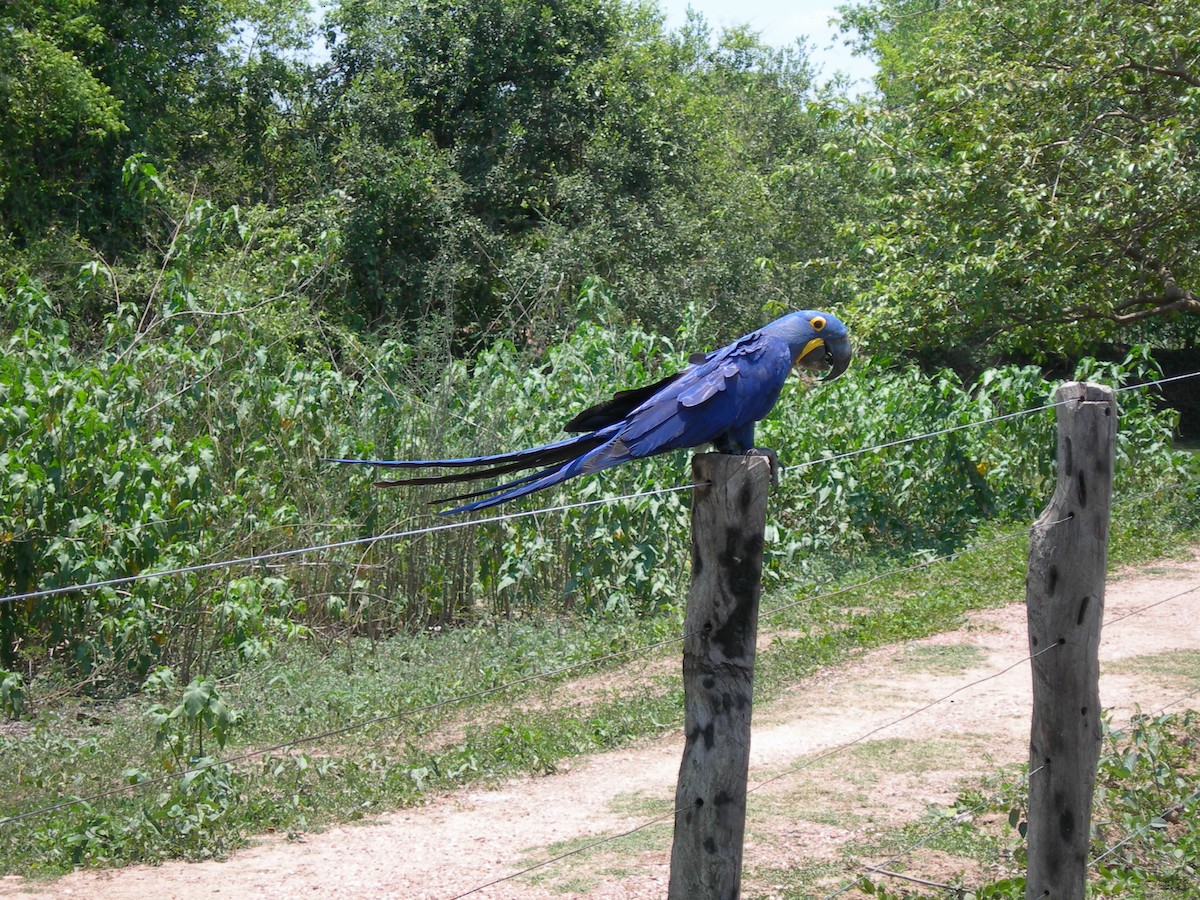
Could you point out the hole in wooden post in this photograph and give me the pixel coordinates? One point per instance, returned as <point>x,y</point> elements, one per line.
<point>1083,610</point>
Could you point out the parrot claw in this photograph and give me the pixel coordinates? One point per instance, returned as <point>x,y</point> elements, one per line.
<point>772,458</point>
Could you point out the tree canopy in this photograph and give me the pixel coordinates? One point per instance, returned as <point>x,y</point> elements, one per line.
<point>1035,172</point>
<point>1022,181</point>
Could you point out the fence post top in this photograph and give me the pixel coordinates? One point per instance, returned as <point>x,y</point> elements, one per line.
<point>1084,392</point>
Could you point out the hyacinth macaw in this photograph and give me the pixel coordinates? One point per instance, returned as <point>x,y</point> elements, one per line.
<point>717,399</point>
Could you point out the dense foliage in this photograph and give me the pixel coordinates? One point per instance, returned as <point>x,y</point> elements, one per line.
<point>212,416</point>
<point>1034,173</point>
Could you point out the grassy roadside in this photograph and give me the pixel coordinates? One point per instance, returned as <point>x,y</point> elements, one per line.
<point>418,748</point>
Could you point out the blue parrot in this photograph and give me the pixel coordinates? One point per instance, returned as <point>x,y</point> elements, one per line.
<point>717,399</point>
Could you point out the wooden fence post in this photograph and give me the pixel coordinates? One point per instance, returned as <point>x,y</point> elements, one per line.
<point>729,510</point>
<point>1064,596</point>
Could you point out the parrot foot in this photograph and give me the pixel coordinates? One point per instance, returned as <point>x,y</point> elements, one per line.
<point>772,459</point>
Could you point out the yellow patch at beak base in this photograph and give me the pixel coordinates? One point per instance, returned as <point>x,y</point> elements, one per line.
<point>810,347</point>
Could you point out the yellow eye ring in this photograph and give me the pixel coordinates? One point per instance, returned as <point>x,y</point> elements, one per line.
<point>817,323</point>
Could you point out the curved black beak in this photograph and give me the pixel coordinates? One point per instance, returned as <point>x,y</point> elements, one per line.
<point>839,353</point>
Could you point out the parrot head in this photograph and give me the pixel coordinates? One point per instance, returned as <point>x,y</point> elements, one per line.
<point>816,339</point>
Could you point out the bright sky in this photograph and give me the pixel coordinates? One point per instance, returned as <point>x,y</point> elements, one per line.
<point>780,22</point>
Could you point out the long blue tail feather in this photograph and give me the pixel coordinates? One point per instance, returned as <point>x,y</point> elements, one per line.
<point>610,453</point>
<point>530,456</point>
<point>553,459</point>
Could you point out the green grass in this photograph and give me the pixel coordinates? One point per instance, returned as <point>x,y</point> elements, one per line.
<point>82,749</point>
<point>1180,667</point>
<point>953,660</point>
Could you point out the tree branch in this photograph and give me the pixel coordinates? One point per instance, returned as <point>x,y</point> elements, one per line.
<point>1172,299</point>
<point>1181,74</point>
<point>1189,304</point>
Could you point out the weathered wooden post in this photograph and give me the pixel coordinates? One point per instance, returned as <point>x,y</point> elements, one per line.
<point>1064,596</point>
<point>729,510</point>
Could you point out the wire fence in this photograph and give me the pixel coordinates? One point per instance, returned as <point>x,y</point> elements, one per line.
<point>878,868</point>
<point>631,653</point>
<point>523,514</point>
<point>362,724</point>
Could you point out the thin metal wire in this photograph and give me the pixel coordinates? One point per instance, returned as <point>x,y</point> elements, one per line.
<point>474,695</point>
<point>354,726</point>
<point>833,751</point>
<point>1142,609</point>
<point>299,551</point>
<point>879,867</point>
<point>1156,382</point>
<point>760,785</point>
<point>900,442</point>
<point>477,694</point>
<point>1184,698</point>
<point>1115,846</point>
<point>546,862</point>
<point>840,748</point>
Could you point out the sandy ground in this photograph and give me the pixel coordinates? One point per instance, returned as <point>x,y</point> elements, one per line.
<point>907,755</point>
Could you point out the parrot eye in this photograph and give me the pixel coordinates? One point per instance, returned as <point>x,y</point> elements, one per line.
<point>817,323</point>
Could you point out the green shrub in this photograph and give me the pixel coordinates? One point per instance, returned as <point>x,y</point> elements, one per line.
<point>195,435</point>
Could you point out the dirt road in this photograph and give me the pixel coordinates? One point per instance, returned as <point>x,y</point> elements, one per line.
<point>810,817</point>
